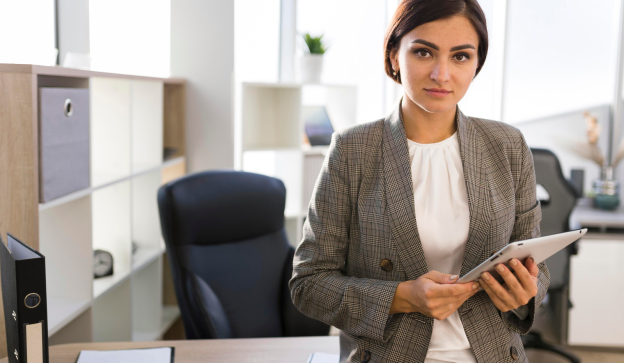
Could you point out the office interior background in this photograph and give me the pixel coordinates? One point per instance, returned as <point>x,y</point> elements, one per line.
<point>551,66</point>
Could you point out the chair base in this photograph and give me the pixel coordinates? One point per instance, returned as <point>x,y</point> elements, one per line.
<point>533,340</point>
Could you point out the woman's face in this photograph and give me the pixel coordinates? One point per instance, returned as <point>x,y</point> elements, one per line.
<point>437,62</point>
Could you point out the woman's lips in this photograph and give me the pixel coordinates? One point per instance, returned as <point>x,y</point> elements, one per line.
<point>436,92</point>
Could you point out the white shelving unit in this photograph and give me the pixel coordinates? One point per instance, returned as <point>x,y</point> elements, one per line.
<point>134,121</point>
<point>270,137</point>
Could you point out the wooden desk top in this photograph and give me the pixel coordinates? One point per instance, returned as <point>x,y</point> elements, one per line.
<point>258,350</point>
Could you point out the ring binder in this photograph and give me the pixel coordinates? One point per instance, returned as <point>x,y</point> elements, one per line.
<point>25,303</point>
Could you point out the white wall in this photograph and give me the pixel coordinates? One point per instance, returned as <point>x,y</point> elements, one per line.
<point>202,52</point>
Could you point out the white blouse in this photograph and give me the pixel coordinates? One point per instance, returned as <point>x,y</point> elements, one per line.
<point>443,217</point>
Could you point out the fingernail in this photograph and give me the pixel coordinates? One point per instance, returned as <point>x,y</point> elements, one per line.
<point>485,276</point>
<point>453,278</point>
<point>513,262</point>
<point>475,285</point>
<point>499,268</point>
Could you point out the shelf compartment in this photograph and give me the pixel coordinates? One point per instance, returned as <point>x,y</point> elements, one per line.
<point>65,235</point>
<point>271,117</point>
<point>173,122</point>
<point>340,101</point>
<point>112,232</point>
<point>144,256</point>
<point>145,218</point>
<point>147,124</point>
<point>110,125</point>
<point>78,330</point>
<point>112,315</point>
<point>169,317</point>
<point>147,305</point>
<point>63,311</point>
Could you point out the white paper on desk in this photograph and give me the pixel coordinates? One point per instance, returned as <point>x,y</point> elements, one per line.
<point>150,355</point>
<point>322,358</point>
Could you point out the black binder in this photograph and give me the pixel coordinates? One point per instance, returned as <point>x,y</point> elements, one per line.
<point>25,303</point>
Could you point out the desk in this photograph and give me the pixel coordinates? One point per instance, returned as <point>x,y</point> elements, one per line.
<point>259,350</point>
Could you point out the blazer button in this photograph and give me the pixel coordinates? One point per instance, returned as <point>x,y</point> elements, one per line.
<point>365,356</point>
<point>514,353</point>
<point>386,265</point>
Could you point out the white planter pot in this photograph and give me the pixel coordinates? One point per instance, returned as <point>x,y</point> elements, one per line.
<point>311,67</point>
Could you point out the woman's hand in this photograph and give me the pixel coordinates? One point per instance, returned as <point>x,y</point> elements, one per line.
<point>521,284</point>
<point>434,294</point>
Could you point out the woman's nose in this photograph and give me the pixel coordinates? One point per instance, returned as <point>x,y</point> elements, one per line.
<point>441,72</point>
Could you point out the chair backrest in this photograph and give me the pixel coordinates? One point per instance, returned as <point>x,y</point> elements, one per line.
<point>556,211</point>
<point>225,238</point>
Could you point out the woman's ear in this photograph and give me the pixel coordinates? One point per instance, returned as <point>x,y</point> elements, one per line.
<point>393,58</point>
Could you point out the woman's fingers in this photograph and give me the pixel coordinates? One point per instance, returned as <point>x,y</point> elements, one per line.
<point>531,266</point>
<point>495,299</point>
<point>527,280</point>
<point>502,298</point>
<point>441,278</point>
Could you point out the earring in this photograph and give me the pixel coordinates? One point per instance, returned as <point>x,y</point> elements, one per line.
<point>394,73</point>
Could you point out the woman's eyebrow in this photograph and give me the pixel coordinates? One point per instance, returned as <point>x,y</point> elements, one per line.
<point>431,45</point>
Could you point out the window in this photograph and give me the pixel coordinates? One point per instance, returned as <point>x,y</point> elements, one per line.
<point>130,36</point>
<point>27,32</point>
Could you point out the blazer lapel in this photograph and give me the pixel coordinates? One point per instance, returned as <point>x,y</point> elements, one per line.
<point>473,154</point>
<point>400,196</point>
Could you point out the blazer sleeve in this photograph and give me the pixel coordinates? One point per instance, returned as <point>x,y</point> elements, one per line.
<point>319,287</point>
<point>527,226</point>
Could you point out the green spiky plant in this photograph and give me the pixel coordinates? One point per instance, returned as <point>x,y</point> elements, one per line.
<point>315,44</point>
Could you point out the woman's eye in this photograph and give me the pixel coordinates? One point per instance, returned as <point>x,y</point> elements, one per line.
<point>422,53</point>
<point>462,57</point>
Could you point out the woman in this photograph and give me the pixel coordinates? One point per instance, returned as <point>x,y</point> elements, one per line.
<point>405,204</point>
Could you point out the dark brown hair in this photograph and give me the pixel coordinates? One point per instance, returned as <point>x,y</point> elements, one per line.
<point>413,13</point>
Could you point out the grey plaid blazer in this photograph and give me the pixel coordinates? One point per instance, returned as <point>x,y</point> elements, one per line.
<point>362,212</point>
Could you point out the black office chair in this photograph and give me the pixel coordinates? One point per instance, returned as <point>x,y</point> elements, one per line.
<point>230,257</point>
<point>556,212</point>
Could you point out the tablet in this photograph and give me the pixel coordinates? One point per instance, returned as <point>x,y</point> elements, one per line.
<point>539,248</point>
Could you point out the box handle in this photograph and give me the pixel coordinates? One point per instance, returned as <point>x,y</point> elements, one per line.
<point>68,108</point>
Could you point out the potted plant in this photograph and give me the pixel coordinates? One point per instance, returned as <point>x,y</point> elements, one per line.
<point>311,64</point>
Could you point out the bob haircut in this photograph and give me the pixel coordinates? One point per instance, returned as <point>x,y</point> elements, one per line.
<point>413,13</point>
